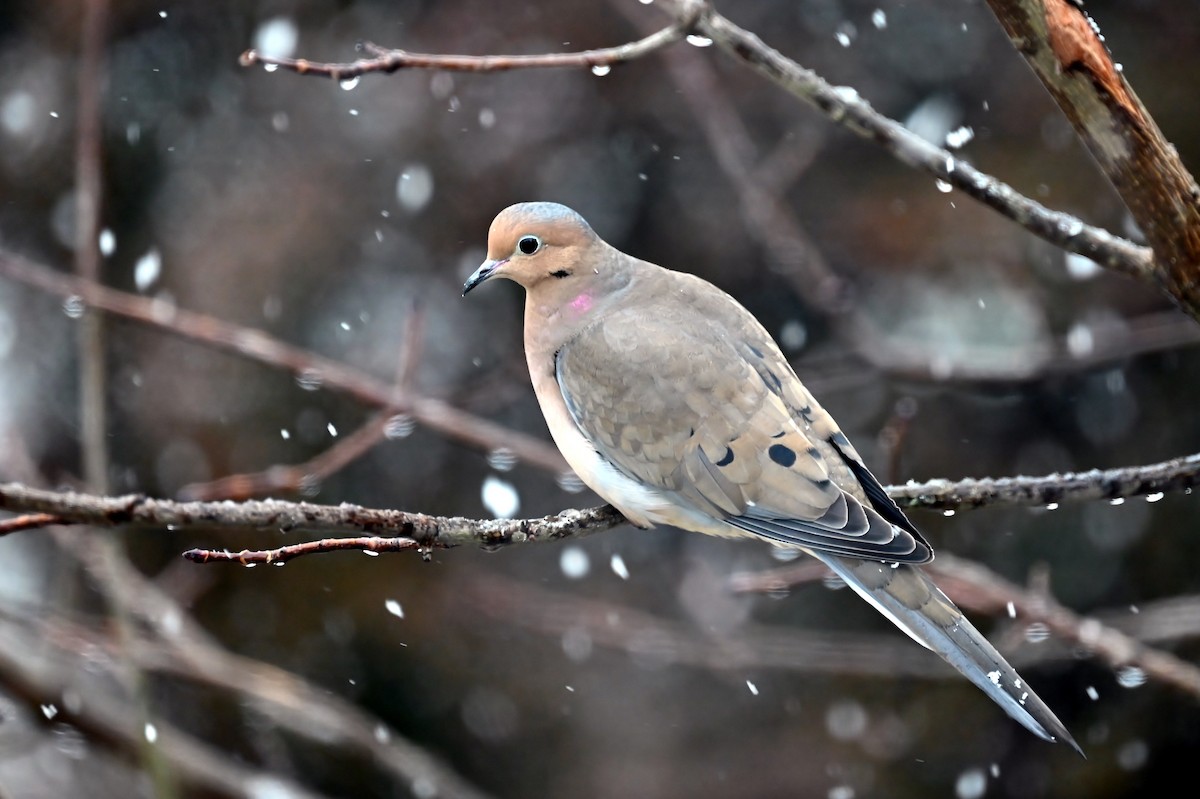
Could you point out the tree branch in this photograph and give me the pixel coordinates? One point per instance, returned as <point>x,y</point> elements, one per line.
<point>394,530</point>
<point>388,60</point>
<point>44,672</point>
<point>1062,44</point>
<point>179,646</point>
<point>844,106</point>
<point>345,451</point>
<point>976,587</point>
<point>1152,481</point>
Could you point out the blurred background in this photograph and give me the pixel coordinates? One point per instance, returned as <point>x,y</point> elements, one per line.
<point>948,342</point>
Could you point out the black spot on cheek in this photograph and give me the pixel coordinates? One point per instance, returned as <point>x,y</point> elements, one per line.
<point>782,455</point>
<point>727,459</point>
<point>561,273</point>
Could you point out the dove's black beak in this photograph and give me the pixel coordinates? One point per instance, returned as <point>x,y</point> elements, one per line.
<point>485,270</point>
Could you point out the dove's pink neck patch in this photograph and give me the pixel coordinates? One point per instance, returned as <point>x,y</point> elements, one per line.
<point>582,303</point>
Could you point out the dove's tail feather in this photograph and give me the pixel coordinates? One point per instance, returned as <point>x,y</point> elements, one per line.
<point>907,596</point>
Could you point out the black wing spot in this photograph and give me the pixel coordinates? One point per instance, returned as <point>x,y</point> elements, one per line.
<point>727,458</point>
<point>757,352</point>
<point>839,439</point>
<point>780,434</point>
<point>782,455</point>
<point>814,453</point>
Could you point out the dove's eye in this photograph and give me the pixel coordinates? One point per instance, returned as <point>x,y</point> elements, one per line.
<point>529,244</point>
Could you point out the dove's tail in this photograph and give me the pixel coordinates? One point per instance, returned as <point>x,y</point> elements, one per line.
<point>907,596</point>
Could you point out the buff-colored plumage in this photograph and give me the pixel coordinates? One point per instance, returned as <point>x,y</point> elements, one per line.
<point>673,403</point>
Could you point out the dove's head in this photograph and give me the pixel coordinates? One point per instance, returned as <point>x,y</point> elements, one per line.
<point>554,254</point>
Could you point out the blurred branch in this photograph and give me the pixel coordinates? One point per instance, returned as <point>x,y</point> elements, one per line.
<point>982,589</point>
<point>298,477</point>
<point>181,647</point>
<point>347,449</point>
<point>771,221</point>
<point>387,60</point>
<point>402,530</point>
<point>507,602</point>
<point>1105,342</point>
<point>43,673</point>
<point>1065,49</point>
<point>252,343</point>
<point>646,636</point>
<point>88,180</point>
<point>975,587</point>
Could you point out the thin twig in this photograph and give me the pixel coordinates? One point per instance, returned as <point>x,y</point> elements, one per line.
<point>387,60</point>
<point>29,521</point>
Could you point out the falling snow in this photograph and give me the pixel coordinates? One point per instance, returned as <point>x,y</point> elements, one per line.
<point>574,562</point>
<point>500,498</point>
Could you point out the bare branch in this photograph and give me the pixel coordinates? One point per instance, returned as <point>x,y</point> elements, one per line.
<point>980,588</point>
<point>43,673</point>
<point>347,449</point>
<point>1064,48</point>
<point>548,612</point>
<point>975,587</point>
<point>841,104</point>
<point>298,477</point>
<point>181,647</point>
<point>251,343</point>
<point>394,530</point>
<point>844,106</point>
<point>417,529</point>
<point>385,60</point>
<point>1151,481</point>
<point>768,217</point>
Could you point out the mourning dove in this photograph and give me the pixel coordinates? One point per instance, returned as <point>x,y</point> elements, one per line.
<point>674,404</point>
